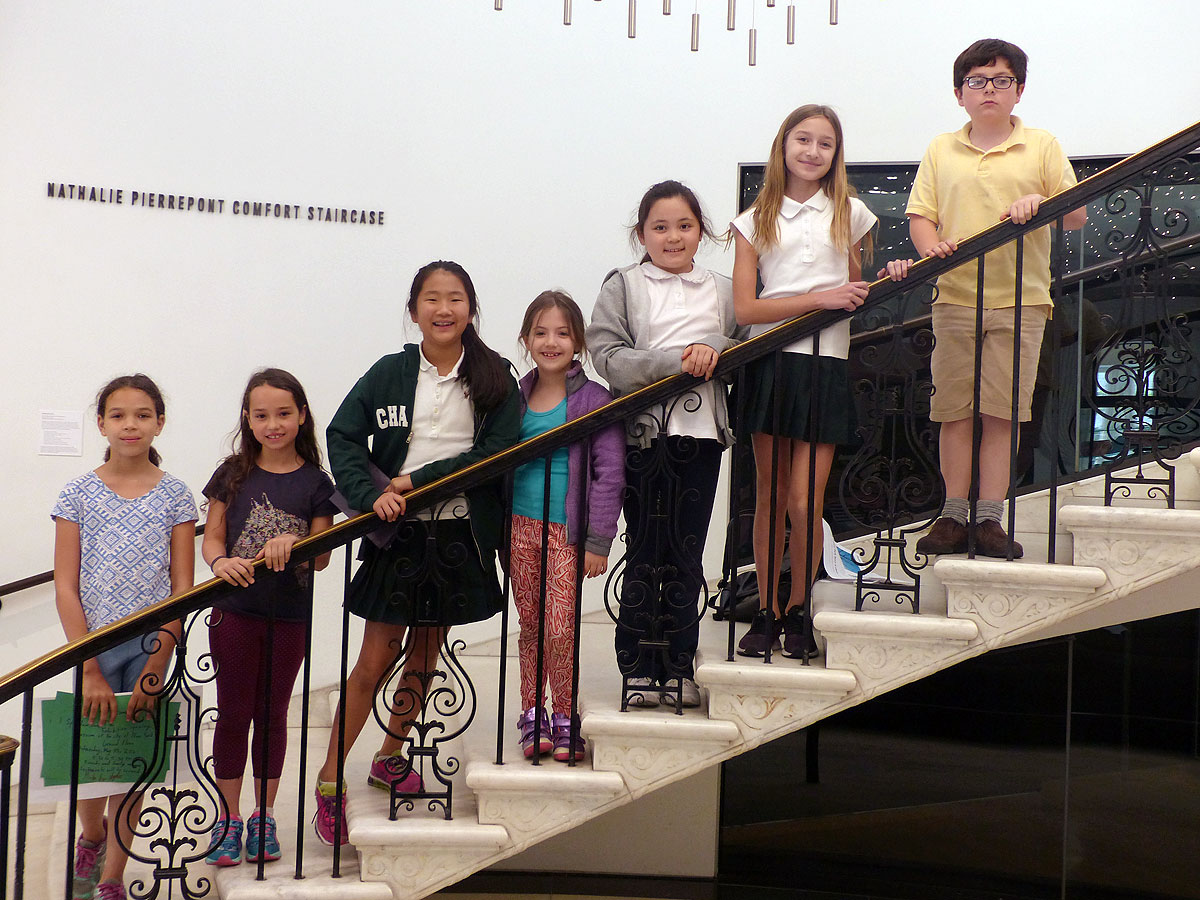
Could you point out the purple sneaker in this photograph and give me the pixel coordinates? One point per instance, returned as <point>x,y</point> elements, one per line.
<point>387,771</point>
<point>544,739</point>
<point>563,745</point>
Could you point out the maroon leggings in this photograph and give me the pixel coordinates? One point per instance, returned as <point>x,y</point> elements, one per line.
<point>239,649</point>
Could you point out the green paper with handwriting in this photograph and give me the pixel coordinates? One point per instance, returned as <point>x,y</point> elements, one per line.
<point>106,752</point>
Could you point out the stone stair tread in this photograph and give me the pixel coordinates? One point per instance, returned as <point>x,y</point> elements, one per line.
<point>312,887</point>
<point>1022,574</point>
<point>552,776</point>
<point>426,830</point>
<point>1156,519</point>
<point>660,723</point>
<point>894,625</point>
<point>781,672</point>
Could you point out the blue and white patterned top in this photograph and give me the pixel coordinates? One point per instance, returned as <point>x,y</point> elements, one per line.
<point>124,543</point>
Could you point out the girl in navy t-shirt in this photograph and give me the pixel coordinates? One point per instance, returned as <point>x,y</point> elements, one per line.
<point>266,496</point>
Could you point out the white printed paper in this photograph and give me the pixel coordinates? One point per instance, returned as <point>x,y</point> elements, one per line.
<point>62,433</point>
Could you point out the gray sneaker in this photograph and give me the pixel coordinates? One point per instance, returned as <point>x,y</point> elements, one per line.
<point>642,693</point>
<point>89,863</point>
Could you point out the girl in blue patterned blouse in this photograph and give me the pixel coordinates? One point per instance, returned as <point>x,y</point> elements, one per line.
<point>124,538</point>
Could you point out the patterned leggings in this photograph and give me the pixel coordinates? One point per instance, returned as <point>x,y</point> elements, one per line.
<point>239,648</point>
<point>526,568</point>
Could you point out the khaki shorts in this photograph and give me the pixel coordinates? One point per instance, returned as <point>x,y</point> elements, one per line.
<point>953,361</point>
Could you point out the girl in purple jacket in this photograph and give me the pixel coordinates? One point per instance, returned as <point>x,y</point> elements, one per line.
<point>592,471</point>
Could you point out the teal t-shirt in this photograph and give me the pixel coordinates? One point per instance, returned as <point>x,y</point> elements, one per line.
<point>530,479</point>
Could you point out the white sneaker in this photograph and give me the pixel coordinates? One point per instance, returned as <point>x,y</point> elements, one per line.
<point>690,691</point>
<point>642,693</point>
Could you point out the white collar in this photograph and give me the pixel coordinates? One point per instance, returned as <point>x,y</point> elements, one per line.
<point>790,208</point>
<point>427,366</point>
<point>696,276</point>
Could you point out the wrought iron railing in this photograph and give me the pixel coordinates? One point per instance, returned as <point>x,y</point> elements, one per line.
<point>889,487</point>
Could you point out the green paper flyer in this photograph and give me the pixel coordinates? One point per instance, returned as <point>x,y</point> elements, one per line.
<point>107,753</point>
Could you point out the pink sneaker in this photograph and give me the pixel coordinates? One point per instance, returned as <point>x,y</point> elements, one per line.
<point>326,819</point>
<point>395,770</point>
<point>110,890</point>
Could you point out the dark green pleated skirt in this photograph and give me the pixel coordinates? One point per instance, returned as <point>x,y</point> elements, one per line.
<point>800,388</point>
<point>431,574</point>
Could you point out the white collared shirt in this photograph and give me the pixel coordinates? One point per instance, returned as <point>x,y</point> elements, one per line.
<point>443,424</point>
<point>806,261</point>
<point>683,310</point>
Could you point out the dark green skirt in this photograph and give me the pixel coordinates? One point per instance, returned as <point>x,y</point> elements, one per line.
<point>836,420</point>
<point>429,575</point>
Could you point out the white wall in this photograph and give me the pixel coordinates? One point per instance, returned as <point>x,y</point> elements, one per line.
<point>503,139</point>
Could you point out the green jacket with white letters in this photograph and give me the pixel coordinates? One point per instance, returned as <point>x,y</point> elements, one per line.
<point>379,409</point>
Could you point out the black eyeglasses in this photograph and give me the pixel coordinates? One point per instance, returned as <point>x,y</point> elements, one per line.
<point>999,82</point>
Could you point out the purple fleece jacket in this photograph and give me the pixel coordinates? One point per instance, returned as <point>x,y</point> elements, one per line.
<point>606,467</point>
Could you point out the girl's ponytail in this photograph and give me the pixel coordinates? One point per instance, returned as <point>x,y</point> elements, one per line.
<point>483,372</point>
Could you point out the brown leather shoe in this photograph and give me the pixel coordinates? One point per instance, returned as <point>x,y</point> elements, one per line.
<point>946,536</point>
<point>990,540</point>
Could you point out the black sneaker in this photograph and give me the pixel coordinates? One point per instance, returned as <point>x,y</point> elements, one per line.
<point>761,635</point>
<point>798,641</point>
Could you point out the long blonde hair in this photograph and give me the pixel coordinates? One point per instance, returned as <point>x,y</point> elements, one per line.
<point>835,185</point>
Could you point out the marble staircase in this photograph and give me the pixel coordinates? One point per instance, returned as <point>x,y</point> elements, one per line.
<point>1113,564</point>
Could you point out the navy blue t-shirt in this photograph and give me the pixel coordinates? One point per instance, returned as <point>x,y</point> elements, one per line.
<point>267,505</point>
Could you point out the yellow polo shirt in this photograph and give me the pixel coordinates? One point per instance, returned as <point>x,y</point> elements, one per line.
<point>963,189</point>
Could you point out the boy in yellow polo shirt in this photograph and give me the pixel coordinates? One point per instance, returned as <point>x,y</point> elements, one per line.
<point>993,168</point>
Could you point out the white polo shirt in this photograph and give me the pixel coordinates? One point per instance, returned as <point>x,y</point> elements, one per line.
<point>806,261</point>
<point>443,426</point>
<point>683,310</point>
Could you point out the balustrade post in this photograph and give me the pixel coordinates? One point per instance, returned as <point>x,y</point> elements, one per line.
<point>8,753</point>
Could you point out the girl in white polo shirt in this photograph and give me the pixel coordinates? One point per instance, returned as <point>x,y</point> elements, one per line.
<point>666,315</point>
<point>805,235</point>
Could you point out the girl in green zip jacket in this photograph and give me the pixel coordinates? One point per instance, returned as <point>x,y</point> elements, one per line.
<point>414,417</point>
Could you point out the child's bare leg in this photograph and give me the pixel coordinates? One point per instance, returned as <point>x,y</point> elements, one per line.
<point>231,793</point>
<point>805,559</point>
<point>91,819</point>
<point>255,785</point>
<point>954,455</point>
<point>120,836</point>
<point>767,559</point>
<point>407,704</point>
<point>380,645</point>
<point>955,447</point>
<point>995,458</point>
